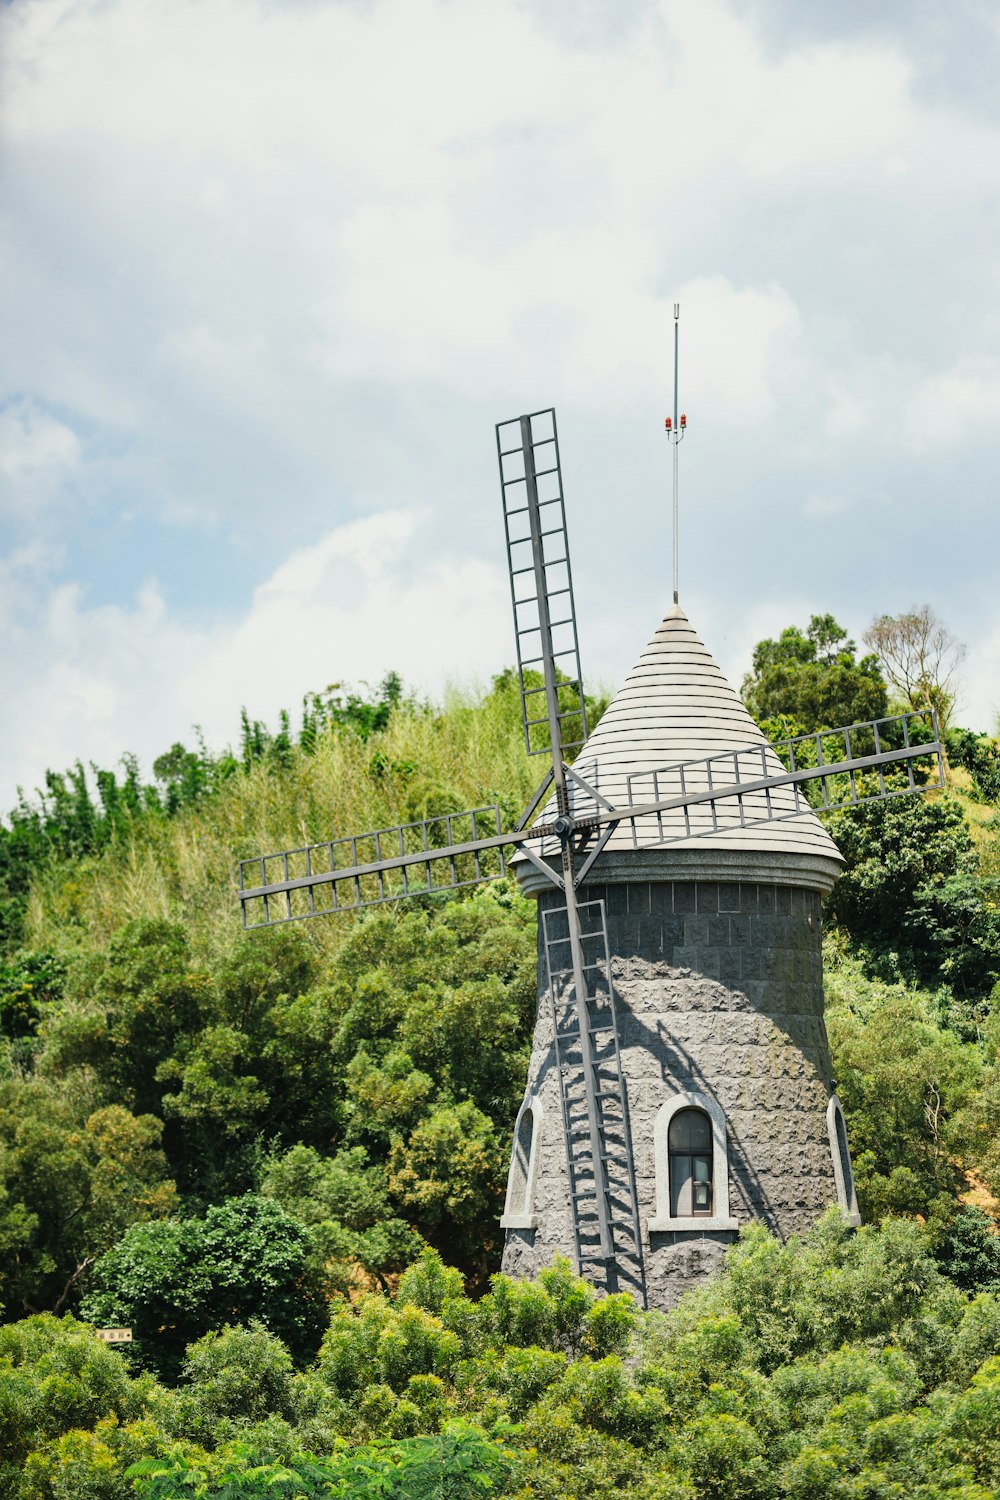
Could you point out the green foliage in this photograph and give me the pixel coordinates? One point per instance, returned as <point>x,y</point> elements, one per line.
<point>173,1281</point>
<point>814,678</point>
<point>846,1365</point>
<point>380,1344</point>
<point>449,1173</point>
<point>56,1377</point>
<point>969,1252</point>
<point>78,815</point>
<point>234,1378</point>
<point>911,897</point>
<point>28,982</point>
<point>68,822</point>
<point>982,1118</point>
<point>906,1083</point>
<point>429,1284</point>
<point>980,756</point>
<point>73,1176</point>
<point>458,1464</point>
<point>344,1203</point>
<point>369,1096</point>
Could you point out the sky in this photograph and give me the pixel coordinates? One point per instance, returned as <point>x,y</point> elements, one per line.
<point>271,270</point>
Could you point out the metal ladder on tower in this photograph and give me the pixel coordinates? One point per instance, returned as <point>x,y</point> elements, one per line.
<point>590,1077</point>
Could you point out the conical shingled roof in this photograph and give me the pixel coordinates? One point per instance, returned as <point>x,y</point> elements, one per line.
<point>676,707</point>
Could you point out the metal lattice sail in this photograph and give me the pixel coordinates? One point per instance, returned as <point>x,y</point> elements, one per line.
<point>570,821</point>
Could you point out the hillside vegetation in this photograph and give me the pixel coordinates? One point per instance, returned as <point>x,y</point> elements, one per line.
<point>236,1143</point>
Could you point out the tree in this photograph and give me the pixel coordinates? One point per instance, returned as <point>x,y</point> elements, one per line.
<point>969,1252</point>
<point>449,1174</point>
<point>920,658</point>
<point>813,677</point>
<point>911,896</point>
<point>174,1281</point>
<point>28,980</point>
<point>72,1179</point>
<point>344,1203</point>
<point>980,756</point>
<point>904,1081</point>
<point>233,1377</point>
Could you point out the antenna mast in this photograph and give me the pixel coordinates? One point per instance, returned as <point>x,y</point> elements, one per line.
<point>676,428</point>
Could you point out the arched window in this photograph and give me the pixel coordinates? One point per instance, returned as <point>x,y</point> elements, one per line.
<point>689,1145</point>
<point>843,1172</point>
<point>518,1209</point>
<point>692,1166</point>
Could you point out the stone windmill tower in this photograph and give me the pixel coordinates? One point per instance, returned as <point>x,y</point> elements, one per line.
<point>680,1080</point>
<point>716,970</point>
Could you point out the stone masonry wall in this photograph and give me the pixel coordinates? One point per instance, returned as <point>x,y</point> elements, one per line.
<point>719,992</point>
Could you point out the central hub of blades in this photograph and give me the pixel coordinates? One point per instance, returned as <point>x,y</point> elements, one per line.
<point>563,825</point>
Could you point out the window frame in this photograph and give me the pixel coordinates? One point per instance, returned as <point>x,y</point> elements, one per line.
<point>663,1221</point>
<point>847,1197</point>
<point>523,1217</point>
<point>689,1155</point>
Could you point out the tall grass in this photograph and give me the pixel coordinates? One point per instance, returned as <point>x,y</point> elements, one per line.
<point>467,751</point>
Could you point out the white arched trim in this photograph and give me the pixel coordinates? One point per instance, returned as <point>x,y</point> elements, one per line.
<point>843,1172</point>
<point>721,1218</point>
<point>518,1210</point>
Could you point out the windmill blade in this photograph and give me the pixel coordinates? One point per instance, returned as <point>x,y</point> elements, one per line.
<point>368,869</point>
<point>387,864</point>
<point>541,583</point>
<point>859,763</point>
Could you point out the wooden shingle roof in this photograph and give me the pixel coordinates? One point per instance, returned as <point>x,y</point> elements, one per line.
<point>676,707</point>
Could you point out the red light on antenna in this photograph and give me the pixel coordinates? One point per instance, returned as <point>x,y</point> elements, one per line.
<point>684,420</point>
<point>669,424</point>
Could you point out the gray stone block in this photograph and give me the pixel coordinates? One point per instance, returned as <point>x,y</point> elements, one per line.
<point>730,967</point>
<point>672,932</point>
<point>740,931</point>
<point>708,896</point>
<point>638,899</point>
<point>718,931</point>
<point>661,898</point>
<point>685,897</point>
<point>729,896</point>
<point>617,902</point>
<point>695,931</point>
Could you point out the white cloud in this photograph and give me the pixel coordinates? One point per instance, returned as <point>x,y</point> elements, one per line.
<point>417,189</point>
<point>267,268</point>
<point>94,681</point>
<point>979,685</point>
<point>956,405</point>
<point>825,507</point>
<point>38,455</point>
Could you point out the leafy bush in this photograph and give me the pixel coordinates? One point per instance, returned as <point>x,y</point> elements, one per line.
<point>55,1376</point>
<point>174,1281</point>
<point>969,1251</point>
<point>839,1366</point>
<point>980,755</point>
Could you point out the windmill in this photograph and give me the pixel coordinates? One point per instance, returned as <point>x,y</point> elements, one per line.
<point>564,845</point>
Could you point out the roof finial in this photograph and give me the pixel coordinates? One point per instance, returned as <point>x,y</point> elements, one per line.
<point>675,432</point>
